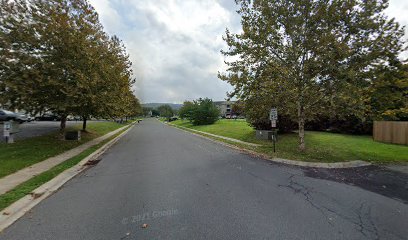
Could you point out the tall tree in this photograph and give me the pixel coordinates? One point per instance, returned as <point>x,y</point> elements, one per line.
<point>56,57</point>
<point>165,111</point>
<point>47,70</point>
<point>186,110</point>
<point>310,56</point>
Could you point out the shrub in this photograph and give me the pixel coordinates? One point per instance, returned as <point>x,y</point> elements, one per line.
<point>200,112</point>
<point>350,124</point>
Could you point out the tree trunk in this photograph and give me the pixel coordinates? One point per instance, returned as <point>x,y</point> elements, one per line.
<point>84,124</point>
<point>62,127</point>
<point>301,121</point>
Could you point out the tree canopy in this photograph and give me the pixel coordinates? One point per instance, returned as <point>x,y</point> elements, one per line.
<point>56,57</point>
<point>308,57</point>
<point>165,111</point>
<point>200,111</point>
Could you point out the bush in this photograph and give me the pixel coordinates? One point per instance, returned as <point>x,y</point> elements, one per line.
<point>186,110</point>
<point>350,124</point>
<point>284,123</point>
<point>200,112</point>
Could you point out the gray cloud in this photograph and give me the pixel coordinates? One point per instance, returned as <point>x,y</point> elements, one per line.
<point>174,44</point>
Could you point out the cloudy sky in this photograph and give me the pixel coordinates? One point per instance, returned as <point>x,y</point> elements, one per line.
<point>175,44</point>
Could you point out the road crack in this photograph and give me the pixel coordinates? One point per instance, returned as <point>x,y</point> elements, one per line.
<point>362,216</point>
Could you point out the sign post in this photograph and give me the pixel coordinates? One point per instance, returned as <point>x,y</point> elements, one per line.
<point>6,132</point>
<point>9,129</point>
<point>273,116</point>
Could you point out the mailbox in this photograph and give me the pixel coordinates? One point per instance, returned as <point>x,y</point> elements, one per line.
<point>10,128</point>
<point>6,131</point>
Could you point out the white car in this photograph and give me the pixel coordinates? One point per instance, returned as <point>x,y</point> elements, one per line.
<point>8,115</point>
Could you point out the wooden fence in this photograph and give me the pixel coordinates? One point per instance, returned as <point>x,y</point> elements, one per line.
<point>391,132</point>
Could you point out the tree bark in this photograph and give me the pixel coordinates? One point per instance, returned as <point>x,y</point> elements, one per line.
<point>62,127</point>
<point>301,121</point>
<point>84,124</point>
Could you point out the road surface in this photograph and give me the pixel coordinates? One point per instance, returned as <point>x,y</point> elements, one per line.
<point>186,187</point>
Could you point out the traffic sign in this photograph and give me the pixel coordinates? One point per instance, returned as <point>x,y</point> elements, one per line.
<point>273,123</point>
<point>6,133</point>
<point>273,114</point>
<point>7,126</point>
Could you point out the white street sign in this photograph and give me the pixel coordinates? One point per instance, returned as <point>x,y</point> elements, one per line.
<point>7,126</point>
<point>273,123</point>
<point>273,114</point>
<point>6,133</point>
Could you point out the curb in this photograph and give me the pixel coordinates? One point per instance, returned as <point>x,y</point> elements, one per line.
<point>349,164</point>
<point>19,208</point>
<point>217,136</point>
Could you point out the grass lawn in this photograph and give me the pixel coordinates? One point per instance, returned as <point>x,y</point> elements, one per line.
<point>27,187</point>
<point>238,129</point>
<point>321,146</point>
<point>26,152</point>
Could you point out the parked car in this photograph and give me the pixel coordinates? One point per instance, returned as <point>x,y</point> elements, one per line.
<point>173,119</point>
<point>74,118</point>
<point>21,118</point>
<point>30,118</point>
<point>27,117</point>
<point>8,115</point>
<point>48,117</point>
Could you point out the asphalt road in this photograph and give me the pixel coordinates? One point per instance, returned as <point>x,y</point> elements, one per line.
<point>187,187</point>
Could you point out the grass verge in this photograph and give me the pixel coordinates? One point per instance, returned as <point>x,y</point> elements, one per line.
<point>27,187</point>
<point>26,152</point>
<point>321,146</point>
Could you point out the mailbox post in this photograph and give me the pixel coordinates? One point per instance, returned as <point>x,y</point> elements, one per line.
<point>273,116</point>
<point>10,128</point>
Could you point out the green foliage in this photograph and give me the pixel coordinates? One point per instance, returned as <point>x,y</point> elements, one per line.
<point>56,57</point>
<point>310,57</point>
<point>389,95</point>
<point>200,111</point>
<point>238,108</point>
<point>146,111</point>
<point>186,110</point>
<point>166,111</point>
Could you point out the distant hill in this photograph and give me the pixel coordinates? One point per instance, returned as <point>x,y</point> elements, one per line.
<point>175,106</point>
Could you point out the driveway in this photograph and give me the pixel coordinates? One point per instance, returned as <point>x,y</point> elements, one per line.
<point>186,187</point>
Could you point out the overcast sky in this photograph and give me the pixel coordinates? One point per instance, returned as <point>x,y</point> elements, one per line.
<point>175,44</point>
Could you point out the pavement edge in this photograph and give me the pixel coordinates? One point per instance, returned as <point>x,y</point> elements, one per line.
<point>15,211</point>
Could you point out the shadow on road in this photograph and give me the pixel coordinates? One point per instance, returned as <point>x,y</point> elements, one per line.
<point>372,178</point>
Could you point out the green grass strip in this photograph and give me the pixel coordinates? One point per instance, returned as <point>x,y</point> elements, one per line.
<point>26,152</point>
<point>320,146</point>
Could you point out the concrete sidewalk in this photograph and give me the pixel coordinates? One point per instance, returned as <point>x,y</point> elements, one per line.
<point>9,182</point>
